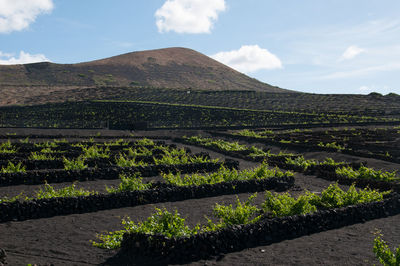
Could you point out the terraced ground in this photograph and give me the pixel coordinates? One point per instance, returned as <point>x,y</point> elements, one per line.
<point>59,230</point>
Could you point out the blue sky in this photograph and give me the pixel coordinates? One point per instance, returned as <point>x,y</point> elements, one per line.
<point>336,46</point>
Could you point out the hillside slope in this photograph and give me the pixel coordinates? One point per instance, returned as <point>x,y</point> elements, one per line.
<point>164,68</point>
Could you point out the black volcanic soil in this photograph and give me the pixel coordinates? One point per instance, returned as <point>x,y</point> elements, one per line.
<point>64,240</point>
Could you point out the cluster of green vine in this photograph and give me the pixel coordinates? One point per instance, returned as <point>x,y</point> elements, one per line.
<point>217,143</point>
<point>276,205</point>
<point>300,161</point>
<point>224,175</point>
<point>70,191</point>
<point>129,183</point>
<point>384,254</point>
<point>367,173</point>
<point>13,168</point>
<point>7,147</point>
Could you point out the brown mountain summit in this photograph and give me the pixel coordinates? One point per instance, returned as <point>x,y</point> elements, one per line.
<point>179,68</point>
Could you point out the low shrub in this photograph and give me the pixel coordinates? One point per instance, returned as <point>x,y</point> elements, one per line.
<point>385,255</point>
<point>242,213</point>
<point>367,173</point>
<point>334,197</point>
<point>95,152</point>
<point>279,205</point>
<point>70,191</point>
<point>20,196</point>
<point>179,156</point>
<point>140,151</point>
<point>301,162</point>
<point>24,141</point>
<point>74,164</point>
<point>40,156</point>
<point>123,161</point>
<point>217,143</point>
<point>7,147</point>
<point>46,144</point>
<point>332,145</point>
<point>330,161</point>
<point>224,175</point>
<point>129,183</point>
<point>47,150</point>
<point>161,222</point>
<point>144,142</point>
<point>13,168</point>
<point>118,142</point>
<point>248,133</point>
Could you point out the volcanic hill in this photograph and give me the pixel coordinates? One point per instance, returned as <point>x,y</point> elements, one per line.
<point>178,68</point>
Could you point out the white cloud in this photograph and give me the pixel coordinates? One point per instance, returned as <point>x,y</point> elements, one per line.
<point>249,58</point>
<point>16,15</point>
<point>188,16</point>
<point>351,52</point>
<point>24,58</point>
<point>5,54</point>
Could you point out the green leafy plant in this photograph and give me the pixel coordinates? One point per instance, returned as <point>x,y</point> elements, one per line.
<point>78,145</point>
<point>174,156</point>
<point>118,142</point>
<point>129,183</point>
<point>70,191</point>
<point>60,141</point>
<point>254,134</point>
<point>47,150</point>
<point>46,144</point>
<point>243,213</point>
<point>248,133</point>
<point>224,175</point>
<point>385,255</point>
<point>217,143</point>
<point>13,168</point>
<point>179,156</point>
<point>161,222</point>
<point>7,147</point>
<point>13,199</point>
<point>280,205</point>
<point>330,161</point>
<point>301,162</point>
<point>368,173</point>
<point>297,130</point>
<point>172,159</point>
<point>144,142</point>
<point>140,151</point>
<point>201,159</point>
<point>40,156</point>
<point>332,145</point>
<point>95,152</point>
<point>123,161</point>
<point>74,164</point>
<point>255,152</point>
<point>24,141</point>
<point>332,197</point>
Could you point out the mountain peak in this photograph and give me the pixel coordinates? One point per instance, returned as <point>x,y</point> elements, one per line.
<point>177,68</point>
